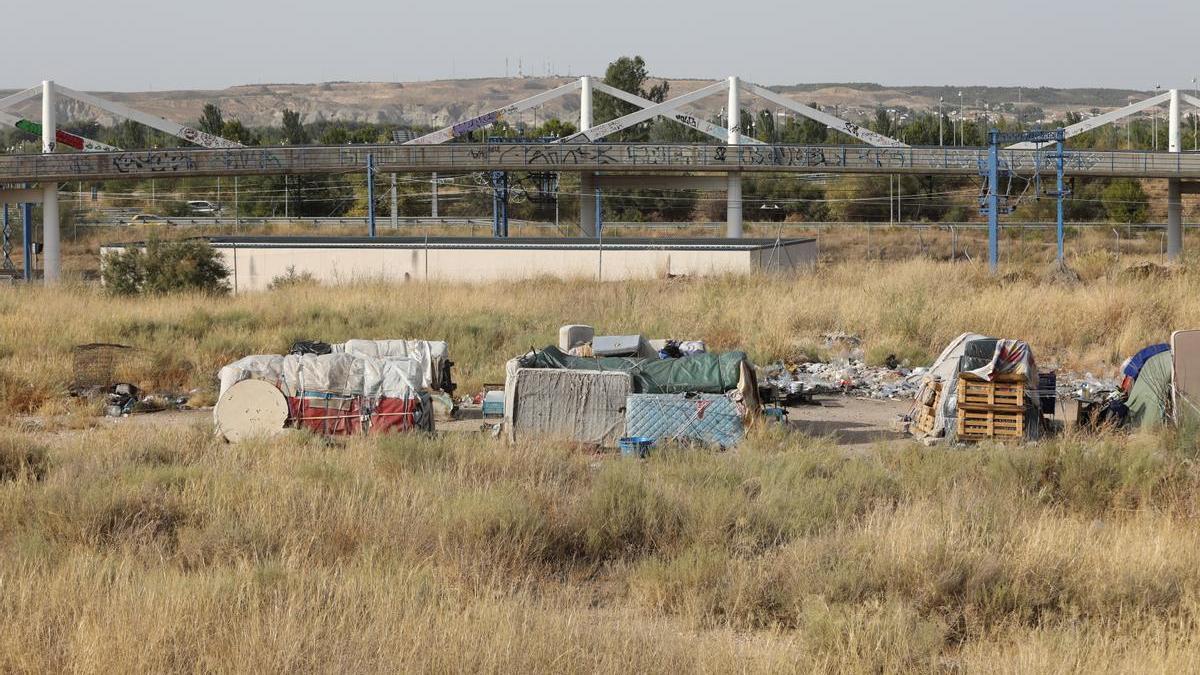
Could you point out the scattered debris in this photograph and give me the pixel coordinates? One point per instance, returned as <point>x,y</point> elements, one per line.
<point>122,398</point>
<point>843,376</point>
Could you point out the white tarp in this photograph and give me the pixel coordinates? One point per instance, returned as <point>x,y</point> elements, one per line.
<point>430,355</point>
<point>945,370</point>
<point>391,378</point>
<point>265,367</point>
<point>343,374</point>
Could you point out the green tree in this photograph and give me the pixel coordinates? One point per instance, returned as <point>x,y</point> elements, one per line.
<point>294,132</point>
<point>628,74</point>
<point>1124,201</point>
<point>335,134</point>
<point>234,130</point>
<point>188,265</point>
<point>212,120</point>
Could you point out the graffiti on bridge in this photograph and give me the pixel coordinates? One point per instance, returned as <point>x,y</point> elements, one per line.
<point>249,159</point>
<point>153,162</point>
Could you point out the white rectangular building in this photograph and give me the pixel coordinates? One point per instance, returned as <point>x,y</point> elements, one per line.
<point>255,261</point>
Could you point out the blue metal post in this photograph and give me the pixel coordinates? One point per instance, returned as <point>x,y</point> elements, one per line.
<point>495,204</point>
<point>993,202</point>
<point>504,205</point>
<point>371,194</point>
<point>7,244</point>
<point>1060,199</point>
<point>599,216</point>
<point>27,238</point>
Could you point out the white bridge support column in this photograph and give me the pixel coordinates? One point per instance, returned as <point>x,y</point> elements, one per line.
<point>587,184</point>
<point>51,256</point>
<point>1174,193</point>
<point>733,216</point>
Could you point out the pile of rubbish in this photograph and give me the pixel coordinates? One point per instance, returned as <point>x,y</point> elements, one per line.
<point>850,377</point>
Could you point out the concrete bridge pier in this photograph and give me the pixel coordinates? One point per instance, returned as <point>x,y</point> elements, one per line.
<point>1174,219</point>
<point>587,182</point>
<point>51,255</point>
<point>1174,191</point>
<point>733,196</point>
<point>587,204</point>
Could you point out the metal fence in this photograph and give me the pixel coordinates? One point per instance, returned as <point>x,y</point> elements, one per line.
<point>189,162</point>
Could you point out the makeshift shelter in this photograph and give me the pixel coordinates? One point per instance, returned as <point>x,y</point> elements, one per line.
<point>1005,366</point>
<point>582,405</point>
<point>342,393</point>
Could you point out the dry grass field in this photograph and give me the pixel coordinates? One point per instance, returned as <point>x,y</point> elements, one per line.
<point>142,547</point>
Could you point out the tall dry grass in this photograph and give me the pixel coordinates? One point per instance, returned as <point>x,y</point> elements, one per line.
<point>146,547</point>
<point>909,309</point>
<point>157,549</point>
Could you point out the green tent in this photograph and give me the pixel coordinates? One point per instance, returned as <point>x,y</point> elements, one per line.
<point>1149,401</point>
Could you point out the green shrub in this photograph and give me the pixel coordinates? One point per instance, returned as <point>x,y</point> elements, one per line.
<point>166,267</point>
<point>292,279</point>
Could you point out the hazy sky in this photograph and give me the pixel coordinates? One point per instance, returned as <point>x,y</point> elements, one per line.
<point>135,45</point>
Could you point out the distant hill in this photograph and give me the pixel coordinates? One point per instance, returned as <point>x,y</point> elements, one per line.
<point>440,102</point>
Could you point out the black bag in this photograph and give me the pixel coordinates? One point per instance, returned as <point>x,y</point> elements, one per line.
<point>310,347</point>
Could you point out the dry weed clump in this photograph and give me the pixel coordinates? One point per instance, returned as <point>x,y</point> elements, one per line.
<point>22,457</point>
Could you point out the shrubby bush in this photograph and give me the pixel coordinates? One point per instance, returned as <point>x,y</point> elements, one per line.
<point>189,265</point>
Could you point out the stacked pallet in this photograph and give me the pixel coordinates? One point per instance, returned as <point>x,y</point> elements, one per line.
<point>926,413</point>
<point>992,409</point>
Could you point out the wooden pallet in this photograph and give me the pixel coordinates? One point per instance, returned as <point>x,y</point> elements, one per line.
<point>977,425</point>
<point>927,414</point>
<point>1007,394</point>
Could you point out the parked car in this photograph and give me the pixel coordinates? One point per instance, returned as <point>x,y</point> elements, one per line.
<point>203,208</point>
<point>143,218</point>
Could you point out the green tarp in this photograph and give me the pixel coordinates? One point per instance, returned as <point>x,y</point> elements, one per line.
<point>703,373</point>
<point>1149,401</point>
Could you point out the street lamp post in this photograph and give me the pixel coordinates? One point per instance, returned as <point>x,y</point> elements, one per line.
<point>941,100</point>
<point>962,129</point>
<point>1195,137</point>
<point>1156,88</point>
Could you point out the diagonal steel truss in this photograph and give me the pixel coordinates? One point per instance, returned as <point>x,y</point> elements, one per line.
<point>668,107</point>
<point>1109,117</point>
<point>167,126</point>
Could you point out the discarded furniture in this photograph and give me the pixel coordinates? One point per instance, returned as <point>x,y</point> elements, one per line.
<point>577,405</point>
<point>711,419</point>
<point>1185,377</point>
<point>573,335</point>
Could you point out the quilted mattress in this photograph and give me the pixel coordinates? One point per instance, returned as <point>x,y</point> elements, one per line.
<point>706,418</point>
